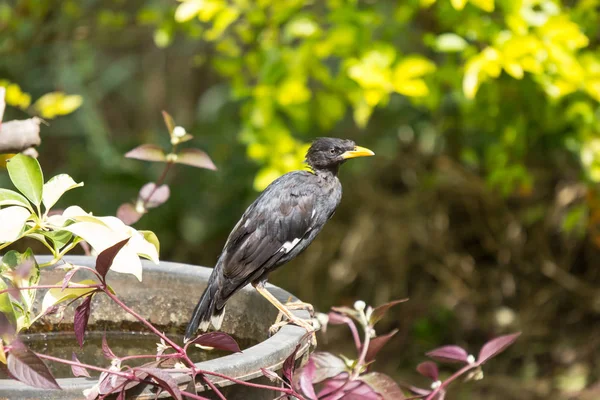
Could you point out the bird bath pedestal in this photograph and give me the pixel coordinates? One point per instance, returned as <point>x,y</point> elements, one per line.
<point>166,297</point>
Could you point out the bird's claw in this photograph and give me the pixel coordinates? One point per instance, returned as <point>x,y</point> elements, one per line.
<point>310,325</point>
<point>307,324</point>
<point>300,305</point>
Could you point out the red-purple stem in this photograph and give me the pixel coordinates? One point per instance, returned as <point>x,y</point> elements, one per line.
<point>87,366</point>
<point>448,381</point>
<point>177,348</point>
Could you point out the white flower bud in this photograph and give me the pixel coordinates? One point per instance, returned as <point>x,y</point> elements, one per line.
<point>179,131</point>
<point>359,305</point>
<point>471,359</point>
<point>436,385</point>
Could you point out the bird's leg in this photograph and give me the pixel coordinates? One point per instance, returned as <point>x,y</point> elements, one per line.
<point>260,288</point>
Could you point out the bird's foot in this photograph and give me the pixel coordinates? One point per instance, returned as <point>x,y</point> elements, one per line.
<point>308,324</point>
<point>304,323</point>
<point>300,305</point>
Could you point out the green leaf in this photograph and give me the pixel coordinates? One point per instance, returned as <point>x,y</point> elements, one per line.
<point>25,273</point>
<point>56,187</point>
<point>26,174</point>
<point>59,238</point>
<point>12,221</point>
<point>57,296</point>
<point>12,198</point>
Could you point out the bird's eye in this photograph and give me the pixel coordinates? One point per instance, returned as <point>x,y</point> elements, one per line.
<point>332,151</point>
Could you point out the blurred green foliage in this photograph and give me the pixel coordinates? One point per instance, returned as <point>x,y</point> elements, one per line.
<point>510,76</point>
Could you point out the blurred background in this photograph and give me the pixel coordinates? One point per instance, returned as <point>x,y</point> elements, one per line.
<point>482,204</point>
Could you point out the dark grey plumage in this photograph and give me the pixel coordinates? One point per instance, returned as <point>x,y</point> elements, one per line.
<point>276,227</point>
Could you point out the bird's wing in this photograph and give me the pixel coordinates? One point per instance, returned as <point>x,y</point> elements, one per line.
<point>272,226</point>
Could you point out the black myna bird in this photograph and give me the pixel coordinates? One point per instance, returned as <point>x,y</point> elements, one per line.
<point>279,225</point>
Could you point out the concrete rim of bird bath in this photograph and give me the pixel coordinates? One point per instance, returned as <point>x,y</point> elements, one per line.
<point>166,296</point>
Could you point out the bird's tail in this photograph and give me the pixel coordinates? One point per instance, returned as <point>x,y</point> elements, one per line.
<point>206,311</point>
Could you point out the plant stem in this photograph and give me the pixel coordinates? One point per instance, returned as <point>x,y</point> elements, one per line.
<point>141,356</point>
<point>87,366</point>
<point>158,183</point>
<point>213,388</point>
<point>363,354</point>
<point>193,396</point>
<point>448,381</point>
<point>177,348</point>
<point>354,331</point>
<point>289,392</point>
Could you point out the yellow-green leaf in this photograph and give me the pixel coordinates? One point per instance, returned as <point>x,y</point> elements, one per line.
<point>485,5</point>
<point>412,88</point>
<point>188,10</point>
<point>55,104</point>
<point>413,67</point>
<point>57,295</point>
<point>458,4</point>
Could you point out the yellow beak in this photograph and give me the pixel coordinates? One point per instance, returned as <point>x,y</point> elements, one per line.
<point>357,152</point>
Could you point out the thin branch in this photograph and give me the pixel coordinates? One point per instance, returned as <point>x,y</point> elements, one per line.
<point>177,348</point>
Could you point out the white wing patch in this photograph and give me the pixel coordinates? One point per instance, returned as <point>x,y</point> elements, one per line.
<point>287,246</point>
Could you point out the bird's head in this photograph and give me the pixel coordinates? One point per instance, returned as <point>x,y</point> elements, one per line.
<point>328,153</point>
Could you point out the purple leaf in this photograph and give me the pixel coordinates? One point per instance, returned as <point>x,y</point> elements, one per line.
<point>495,346</point>
<point>154,196</point>
<point>25,366</point>
<point>377,344</point>
<point>288,367</point>
<point>332,385</point>
<point>195,158</point>
<point>307,375</point>
<point>80,320</point>
<point>7,326</point>
<point>77,370</point>
<point>350,312</point>
<point>106,351</point>
<point>169,122</point>
<point>24,269</point>
<point>343,389</point>
<point>428,369</point>
<point>326,365</point>
<point>165,381</point>
<point>366,392</point>
<point>106,257</point>
<point>68,277</point>
<point>128,214</point>
<point>270,374</point>
<point>147,152</point>
<point>379,312</point>
<point>384,385</point>
<point>449,354</point>
<point>218,340</point>
<point>416,390</point>
<point>337,318</point>
<point>114,381</point>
